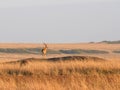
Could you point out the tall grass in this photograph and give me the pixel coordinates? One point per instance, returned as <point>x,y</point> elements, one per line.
<point>64,75</point>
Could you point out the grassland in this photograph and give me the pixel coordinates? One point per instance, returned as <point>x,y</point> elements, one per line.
<point>61,75</point>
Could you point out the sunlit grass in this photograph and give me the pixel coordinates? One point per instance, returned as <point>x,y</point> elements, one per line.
<point>68,75</point>
<point>62,75</point>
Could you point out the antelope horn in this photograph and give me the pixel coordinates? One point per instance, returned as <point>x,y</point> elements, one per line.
<point>45,45</point>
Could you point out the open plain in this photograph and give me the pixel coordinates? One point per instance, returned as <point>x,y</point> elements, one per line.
<point>79,66</point>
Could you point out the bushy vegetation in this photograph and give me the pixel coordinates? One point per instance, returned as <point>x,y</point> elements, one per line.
<point>81,51</point>
<point>27,50</point>
<point>116,51</point>
<point>20,50</point>
<point>50,51</point>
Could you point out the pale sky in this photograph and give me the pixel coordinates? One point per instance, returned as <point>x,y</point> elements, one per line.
<point>59,21</point>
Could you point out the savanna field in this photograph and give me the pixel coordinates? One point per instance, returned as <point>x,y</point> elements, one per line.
<point>80,66</point>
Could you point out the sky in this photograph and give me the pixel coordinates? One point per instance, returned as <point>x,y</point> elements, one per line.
<point>59,21</point>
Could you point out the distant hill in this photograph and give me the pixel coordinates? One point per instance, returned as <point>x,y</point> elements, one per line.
<point>111,42</point>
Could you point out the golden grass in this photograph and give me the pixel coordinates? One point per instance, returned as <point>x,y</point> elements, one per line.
<point>95,46</point>
<point>64,75</point>
<point>68,75</point>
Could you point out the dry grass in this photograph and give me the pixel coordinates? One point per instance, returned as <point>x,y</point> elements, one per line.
<point>68,75</point>
<point>63,75</point>
<point>96,46</point>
